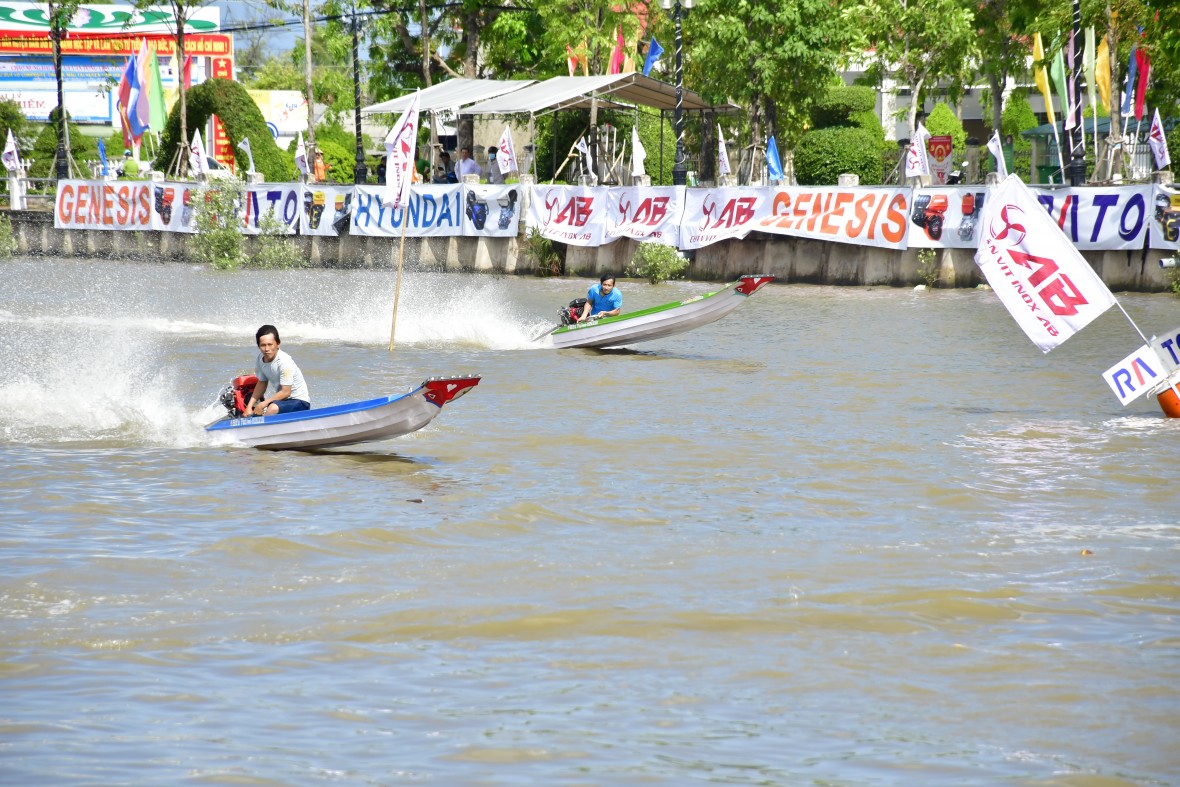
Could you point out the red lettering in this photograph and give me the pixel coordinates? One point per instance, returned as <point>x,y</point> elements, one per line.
<point>65,204</point>
<point>896,215</point>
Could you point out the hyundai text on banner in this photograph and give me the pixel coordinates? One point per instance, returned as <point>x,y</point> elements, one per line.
<point>1043,281</point>
<point>326,210</point>
<point>570,214</point>
<point>284,200</point>
<point>712,215</point>
<point>864,216</point>
<point>650,215</point>
<point>102,205</point>
<point>491,211</point>
<point>432,211</point>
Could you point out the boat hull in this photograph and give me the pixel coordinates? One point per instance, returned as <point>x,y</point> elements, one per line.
<point>347,424</point>
<point>660,321</point>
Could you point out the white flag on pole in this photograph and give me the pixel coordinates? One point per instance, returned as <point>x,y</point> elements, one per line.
<point>638,154</point>
<point>11,156</point>
<point>198,162</point>
<point>997,149</point>
<point>916,163</point>
<point>245,146</point>
<point>400,146</point>
<point>585,151</point>
<point>722,155</point>
<point>1155,140</point>
<point>301,155</point>
<point>1041,278</point>
<point>506,160</point>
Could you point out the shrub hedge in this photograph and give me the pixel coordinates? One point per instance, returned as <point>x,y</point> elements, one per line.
<point>826,153</point>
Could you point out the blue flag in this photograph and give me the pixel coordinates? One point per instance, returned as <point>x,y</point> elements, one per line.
<point>773,163</point>
<point>654,50</point>
<point>102,156</point>
<point>1129,93</point>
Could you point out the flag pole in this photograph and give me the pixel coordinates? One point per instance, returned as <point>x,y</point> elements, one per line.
<point>397,287</point>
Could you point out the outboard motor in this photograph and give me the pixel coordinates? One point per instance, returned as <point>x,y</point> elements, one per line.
<point>572,313</point>
<point>234,396</point>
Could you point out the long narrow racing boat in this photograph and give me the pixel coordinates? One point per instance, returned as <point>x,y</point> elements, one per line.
<point>658,321</point>
<point>346,424</point>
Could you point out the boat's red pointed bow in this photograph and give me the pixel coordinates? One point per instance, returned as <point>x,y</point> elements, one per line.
<point>446,389</point>
<point>749,284</point>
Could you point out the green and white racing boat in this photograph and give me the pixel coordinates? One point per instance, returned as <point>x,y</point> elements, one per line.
<point>658,321</point>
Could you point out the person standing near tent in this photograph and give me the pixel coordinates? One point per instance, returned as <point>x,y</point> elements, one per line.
<point>466,165</point>
<point>494,174</point>
<point>321,167</point>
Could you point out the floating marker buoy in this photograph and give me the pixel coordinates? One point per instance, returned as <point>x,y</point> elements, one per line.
<point>1087,552</point>
<point>1169,403</point>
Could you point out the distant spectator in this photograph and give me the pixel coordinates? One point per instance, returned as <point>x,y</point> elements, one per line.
<point>130,167</point>
<point>494,173</point>
<point>466,165</point>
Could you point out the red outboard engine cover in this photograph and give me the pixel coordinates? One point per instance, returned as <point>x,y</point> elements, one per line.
<point>243,390</point>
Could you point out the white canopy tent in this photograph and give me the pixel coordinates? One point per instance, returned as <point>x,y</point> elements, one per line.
<point>450,96</point>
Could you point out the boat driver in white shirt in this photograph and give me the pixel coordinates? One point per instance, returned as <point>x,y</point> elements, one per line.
<point>280,388</point>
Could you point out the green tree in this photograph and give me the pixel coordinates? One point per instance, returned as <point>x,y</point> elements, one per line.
<point>942,122</point>
<point>776,58</point>
<point>920,42</point>
<point>1001,25</point>
<point>60,12</point>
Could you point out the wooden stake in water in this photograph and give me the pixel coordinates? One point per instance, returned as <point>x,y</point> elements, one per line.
<point>397,287</point>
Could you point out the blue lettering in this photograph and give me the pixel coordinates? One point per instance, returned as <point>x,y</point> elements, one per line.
<point>361,209</point>
<point>1102,202</point>
<point>1169,346</point>
<point>291,208</point>
<point>1136,202</point>
<point>1121,376</point>
<point>1047,201</point>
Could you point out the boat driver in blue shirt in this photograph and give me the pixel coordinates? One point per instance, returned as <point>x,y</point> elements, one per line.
<point>276,371</point>
<point>602,300</point>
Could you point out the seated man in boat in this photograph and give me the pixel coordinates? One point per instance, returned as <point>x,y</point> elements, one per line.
<point>280,386</point>
<point>602,300</point>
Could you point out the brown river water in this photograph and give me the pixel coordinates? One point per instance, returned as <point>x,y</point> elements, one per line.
<point>844,536</point>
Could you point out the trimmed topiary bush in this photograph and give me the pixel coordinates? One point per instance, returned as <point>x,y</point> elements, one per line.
<point>844,105</point>
<point>241,117</point>
<point>826,153</point>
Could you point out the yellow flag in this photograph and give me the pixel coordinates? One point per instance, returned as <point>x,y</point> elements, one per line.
<point>1042,78</point>
<point>1102,74</point>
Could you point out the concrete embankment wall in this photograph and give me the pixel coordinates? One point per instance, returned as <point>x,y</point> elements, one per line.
<point>790,259</point>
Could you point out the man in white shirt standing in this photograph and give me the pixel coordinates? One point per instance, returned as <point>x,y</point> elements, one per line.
<point>278,376</point>
<point>466,165</point>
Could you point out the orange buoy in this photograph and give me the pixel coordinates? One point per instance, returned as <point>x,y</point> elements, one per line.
<point>1169,402</point>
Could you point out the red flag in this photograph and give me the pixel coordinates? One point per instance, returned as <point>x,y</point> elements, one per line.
<point>1141,90</point>
<point>616,58</point>
<point>125,100</point>
<point>571,59</point>
<point>187,71</point>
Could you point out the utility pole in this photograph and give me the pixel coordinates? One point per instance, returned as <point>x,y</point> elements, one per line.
<point>307,76</point>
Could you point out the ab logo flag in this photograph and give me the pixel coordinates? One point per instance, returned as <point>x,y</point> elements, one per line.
<point>507,157</point>
<point>1041,278</point>
<point>1158,142</point>
<point>722,154</point>
<point>916,163</point>
<point>400,145</point>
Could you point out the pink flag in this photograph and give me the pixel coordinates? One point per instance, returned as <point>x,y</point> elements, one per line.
<point>400,145</point>
<point>616,58</point>
<point>1141,91</point>
<point>1041,278</point>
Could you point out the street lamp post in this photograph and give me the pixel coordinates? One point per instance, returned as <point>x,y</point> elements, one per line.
<point>679,169</point>
<point>361,171</point>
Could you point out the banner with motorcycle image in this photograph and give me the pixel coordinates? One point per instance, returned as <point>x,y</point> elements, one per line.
<point>1094,217</point>
<point>491,211</point>
<point>1165,219</point>
<point>327,210</point>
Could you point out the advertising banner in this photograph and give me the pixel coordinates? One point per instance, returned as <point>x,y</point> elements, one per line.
<point>1167,348</point>
<point>284,200</point>
<point>946,218</point>
<point>327,210</point>
<point>102,205</point>
<point>85,106</point>
<point>1165,219</point>
<point>864,216</point>
<point>570,214</point>
<point>432,211</point>
<point>174,206</point>
<point>649,215</point>
<point>1100,217</point>
<point>717,214</point>
<point>491,211</point>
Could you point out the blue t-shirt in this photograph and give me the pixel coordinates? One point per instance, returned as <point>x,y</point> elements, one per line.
<point>604,303</point>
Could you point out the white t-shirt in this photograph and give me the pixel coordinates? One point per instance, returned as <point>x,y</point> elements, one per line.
<point>279,372</point>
